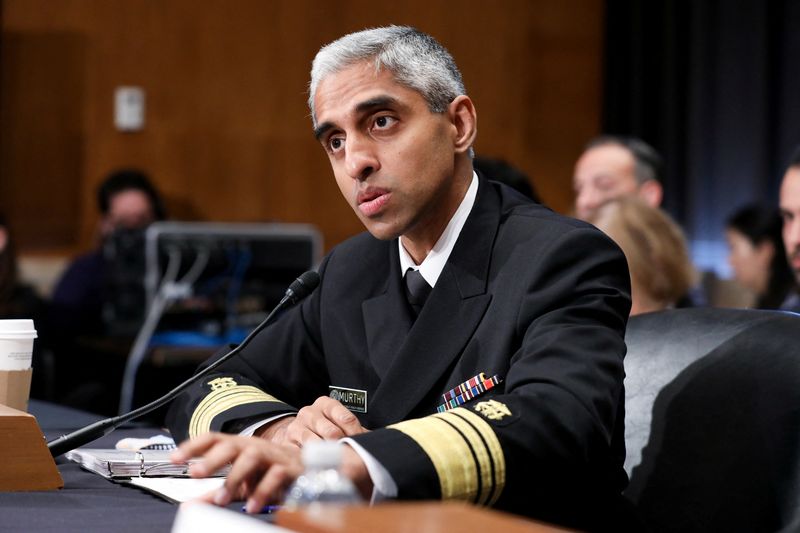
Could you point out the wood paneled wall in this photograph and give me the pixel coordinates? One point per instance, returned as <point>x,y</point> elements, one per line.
<point>227,135</point>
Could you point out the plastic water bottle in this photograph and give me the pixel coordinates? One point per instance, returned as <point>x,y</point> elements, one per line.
<point>321,482</point>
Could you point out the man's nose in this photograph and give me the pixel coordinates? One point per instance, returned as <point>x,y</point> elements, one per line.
<point>360,158</point>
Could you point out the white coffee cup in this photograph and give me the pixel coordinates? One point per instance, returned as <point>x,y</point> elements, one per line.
<point>16,344</point>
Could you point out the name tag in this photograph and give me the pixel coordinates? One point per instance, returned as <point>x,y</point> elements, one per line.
<point>353,399</point>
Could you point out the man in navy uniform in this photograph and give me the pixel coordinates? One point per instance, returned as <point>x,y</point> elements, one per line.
<point>468,346</point>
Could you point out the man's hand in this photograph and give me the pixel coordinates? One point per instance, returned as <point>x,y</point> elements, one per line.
<point>325,419</point>
<point>260,470</point>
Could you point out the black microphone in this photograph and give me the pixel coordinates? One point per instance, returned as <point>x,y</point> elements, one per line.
<point>299,289</point>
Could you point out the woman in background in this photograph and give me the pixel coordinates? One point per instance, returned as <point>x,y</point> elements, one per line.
<point>757,255</point>
<point>654,245</point>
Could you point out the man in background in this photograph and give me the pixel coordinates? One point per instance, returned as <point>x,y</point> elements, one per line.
<point>790,212</point>
<point>615,166</point>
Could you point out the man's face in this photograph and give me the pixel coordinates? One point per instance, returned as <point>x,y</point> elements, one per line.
<point>129,209</point>
<point>790,211</point>
<point>392,157</point>
<point>603,173</point>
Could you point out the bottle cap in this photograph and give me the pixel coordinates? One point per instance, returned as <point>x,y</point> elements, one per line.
<point>322,454</point>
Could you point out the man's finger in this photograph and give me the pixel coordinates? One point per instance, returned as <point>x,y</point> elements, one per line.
<point>193,447</point>
<point>272,483</point>
<point>297,434</point>
<point>223,452</point>
<point>340,416</point>
<point>251,464</point>
<point>325,429</point>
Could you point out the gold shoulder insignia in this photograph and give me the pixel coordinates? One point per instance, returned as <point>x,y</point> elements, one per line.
<point>222,383</point>
<point>493,410</point>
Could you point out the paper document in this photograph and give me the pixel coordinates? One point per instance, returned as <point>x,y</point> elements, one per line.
<point>204,518</point>
<point>177,489</point>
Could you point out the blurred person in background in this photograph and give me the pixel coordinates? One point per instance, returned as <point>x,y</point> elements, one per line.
<point>99,302</point>
<point>127,201</point>
<point>790,213</point>
<point>655,247</point>
<point>757,255</point>
<point>507,174</point>
<point>613,167</point>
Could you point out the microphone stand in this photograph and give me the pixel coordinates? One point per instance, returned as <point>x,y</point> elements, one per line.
<point>299,289</point>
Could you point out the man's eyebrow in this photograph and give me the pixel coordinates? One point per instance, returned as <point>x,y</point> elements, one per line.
<point>320,130</point>
<point>378,101</point>
<point>363,107</point>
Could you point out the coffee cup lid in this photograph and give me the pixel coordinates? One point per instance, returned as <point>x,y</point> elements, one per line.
<point>17,329</point>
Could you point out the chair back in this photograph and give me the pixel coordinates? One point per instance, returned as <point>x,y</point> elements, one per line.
<point>713,419</point>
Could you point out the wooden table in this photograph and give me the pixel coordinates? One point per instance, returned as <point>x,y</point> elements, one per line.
<point>407,517</point>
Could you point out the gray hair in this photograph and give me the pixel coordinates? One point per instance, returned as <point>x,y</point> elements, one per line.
<point>416,59</point>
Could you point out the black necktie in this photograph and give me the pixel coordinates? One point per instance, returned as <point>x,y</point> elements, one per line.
<point>417,290</point>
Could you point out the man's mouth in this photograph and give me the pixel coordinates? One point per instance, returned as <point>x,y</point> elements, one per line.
<point>372,200</point>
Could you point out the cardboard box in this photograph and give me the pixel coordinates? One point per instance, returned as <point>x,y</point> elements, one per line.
<point>15,388</point>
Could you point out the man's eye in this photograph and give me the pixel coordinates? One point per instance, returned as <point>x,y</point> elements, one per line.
<point>335,144</point>
<point>384,122</point>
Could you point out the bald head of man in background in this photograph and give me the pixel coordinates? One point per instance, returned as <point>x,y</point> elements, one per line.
<point>612,167</point>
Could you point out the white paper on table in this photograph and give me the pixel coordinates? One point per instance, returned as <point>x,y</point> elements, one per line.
<point>177,489</point>
<point>204,518</point>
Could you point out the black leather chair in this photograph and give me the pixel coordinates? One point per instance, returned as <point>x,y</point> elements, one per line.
<point>713,420</point>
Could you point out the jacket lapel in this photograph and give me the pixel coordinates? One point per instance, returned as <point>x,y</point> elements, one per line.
<point>448,320</point>
<point>387,319</point>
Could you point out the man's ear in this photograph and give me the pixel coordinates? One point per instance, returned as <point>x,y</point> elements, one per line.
<point>465,121</point>
<point>651,192</point>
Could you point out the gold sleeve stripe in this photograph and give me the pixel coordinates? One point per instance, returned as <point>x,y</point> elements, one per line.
<point>464,451</point>
<point>468,434</point>
<point>493,447</point>
<point>449,453</point>
<point>219,401</point>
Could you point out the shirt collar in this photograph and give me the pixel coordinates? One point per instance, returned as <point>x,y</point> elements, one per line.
<point>433,264</point>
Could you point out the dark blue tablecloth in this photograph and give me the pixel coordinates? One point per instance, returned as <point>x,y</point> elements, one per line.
<point>87,502</point>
